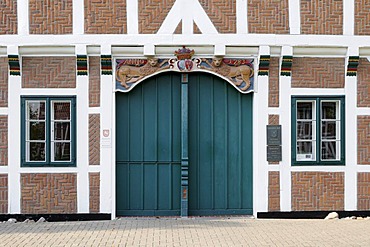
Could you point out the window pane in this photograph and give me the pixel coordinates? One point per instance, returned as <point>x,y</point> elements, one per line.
<point>62,151</point>
<point>36,110</point>
<point>329,130</point>
<point>62,110</point>
<point>329,110</point>
<point>36,151</point>
<point>304,130</point>
<point>304,147</point>
<point>62,131</point>
<point>304,110</point>
<point>37,130</point>
<point>329,150</point>
<point>305,151</point>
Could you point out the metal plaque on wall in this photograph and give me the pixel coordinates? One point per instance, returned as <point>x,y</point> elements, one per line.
<point>273,135</point>
<point>274,153</point>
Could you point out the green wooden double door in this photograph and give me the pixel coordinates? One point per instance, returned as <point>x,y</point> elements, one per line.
<point>149,147</point>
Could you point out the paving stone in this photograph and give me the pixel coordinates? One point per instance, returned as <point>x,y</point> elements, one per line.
<point>217,231</point>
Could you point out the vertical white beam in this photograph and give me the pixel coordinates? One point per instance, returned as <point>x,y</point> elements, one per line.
<point>23,17</point>
<point>348,17</point>
<point>14,137</point>
<point>285,120</point>
<point>78,16</point>
<point>132,16</point>
<point>107,152</point>
<point>350,179</point>
<point>260,120</point>
<point>241,16</point>
<point>82,87</point>
<point>187,16</point>
<point>220,50</point>
<point>149,50</point>
<point>294,16</point>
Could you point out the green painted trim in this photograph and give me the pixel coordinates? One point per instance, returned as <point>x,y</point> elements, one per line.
<point>318,162</point>
<point>48,162</point>
<point>184,150</point>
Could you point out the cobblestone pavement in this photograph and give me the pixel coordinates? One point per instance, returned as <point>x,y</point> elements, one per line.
<point>217,231</point>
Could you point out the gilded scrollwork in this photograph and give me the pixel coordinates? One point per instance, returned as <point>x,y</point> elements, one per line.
<point>235,70</point>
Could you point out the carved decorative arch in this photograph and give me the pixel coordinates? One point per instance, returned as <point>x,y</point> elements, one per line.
<point>238,72</point>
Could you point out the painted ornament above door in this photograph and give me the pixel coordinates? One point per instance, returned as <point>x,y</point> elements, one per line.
<point>238,72</point>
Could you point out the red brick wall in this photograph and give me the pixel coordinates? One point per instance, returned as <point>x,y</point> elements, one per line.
<point>274,191</point>
<point>8,17</point>
<point>94,187</point>
<point>313,191</point>
<point>222,14</point>
<point>49,72</point>
<point>362,17</point>
<point>268,16</point>
<point>318,72</point>
<point>152,14</point>
<point>3,193</point>
<point>321,17</point>
<point>105,17</point>
<point>363,140</point>
<point>50,16</point>
<point>48,193</point>
<point>363,83</point>
<point>274,82</point>
<point>363,191</point>
<point>178,29</point>
<point>94,139</point>
<point>3,140</point>
<point>273,119</point>
<point>3,81</point>
<point>94,81</point>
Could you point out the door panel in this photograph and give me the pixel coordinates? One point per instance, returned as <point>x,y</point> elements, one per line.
<point>149,148</point>
<point>220,148</point>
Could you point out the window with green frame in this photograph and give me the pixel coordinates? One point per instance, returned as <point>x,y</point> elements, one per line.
<point>318,130</point>
<point>48,131</point>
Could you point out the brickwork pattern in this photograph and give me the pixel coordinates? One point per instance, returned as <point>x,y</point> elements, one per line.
<point>318,72</point>
<point>105,17</point>
<point>178,29</point>
<point>274,82</point>
<point>363,191</point>
<point>222,14</point>
<point>94,188</point>
<point>48,193</point>
<point>362,17</point>
<point>3,193</point>
<point>322,17</point>
<point>273,119</point>
<point>152,14</point>
<point>313,191</point>
<point>49,72</point>
<point>8,17</point>
<point>274,191</point>
<point>3,140</point>
<point>94,139</point>
<point>363,140</point>
<point>196,29</point>
<point>94,81</point>
<point>3,82</point>
<point>363,83</point>
<point>50,17</point>
<point>269,16</point>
